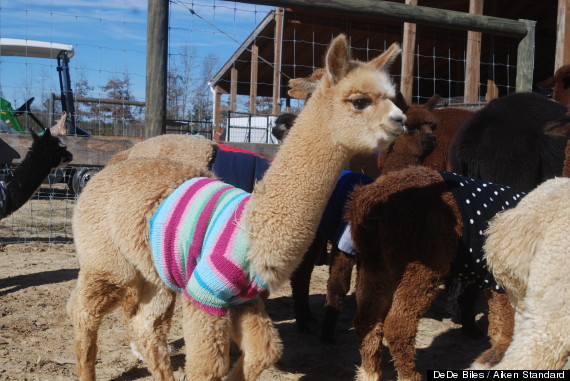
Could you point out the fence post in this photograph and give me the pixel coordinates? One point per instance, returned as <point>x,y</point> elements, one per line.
<point>525,58</point>
<point>156,68</point>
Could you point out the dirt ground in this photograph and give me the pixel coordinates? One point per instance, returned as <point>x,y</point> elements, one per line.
<point>36,334</point>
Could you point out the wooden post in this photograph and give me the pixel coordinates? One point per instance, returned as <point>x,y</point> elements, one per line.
<point>253,79</point>
<point>525,58</point>
<point>276,109</point>
<point>562,35</point>
<point>233,89</point>
<point>492,91</point>
<point>473,58</point>
<point>156,67</point>
<point>408,50</point>
<point>217,113</point>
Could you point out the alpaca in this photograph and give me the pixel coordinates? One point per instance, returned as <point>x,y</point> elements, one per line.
<point>411,229</point>
<point>430,132</point>
<point>47,152</point>
<point>279,221</point>
<point>560,83</point>
<point>527,250</point>
<point>510,130</point>
<point>282,125</point>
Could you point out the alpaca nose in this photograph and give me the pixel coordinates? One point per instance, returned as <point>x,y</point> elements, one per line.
<point>398,118</point>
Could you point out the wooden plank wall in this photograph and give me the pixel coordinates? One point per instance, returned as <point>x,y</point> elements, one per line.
<point>96,151</point>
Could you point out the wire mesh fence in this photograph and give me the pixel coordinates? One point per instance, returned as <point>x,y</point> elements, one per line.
<point>213,49</point>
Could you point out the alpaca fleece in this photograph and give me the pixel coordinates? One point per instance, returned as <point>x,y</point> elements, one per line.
<point>200,248</point>
<point>478,202</point>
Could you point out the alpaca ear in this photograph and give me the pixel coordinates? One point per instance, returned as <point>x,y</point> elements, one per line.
<point>338,59</point>
<point>35,136</point>
<point>387,58</point>
<point>301,88</point>
<point>432,102</point>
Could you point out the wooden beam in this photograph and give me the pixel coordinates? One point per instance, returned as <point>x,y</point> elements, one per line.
<point>276,109</point>
<point>96,151</point>
<point>388,10</point>
<point>408,50</point>
<point>87,152</point>
<point>233,89</point>
<point>473,58</point>
<point>156,67</point>
<point>253,79</point>
<point>562,35</point>
<point>217,112</point>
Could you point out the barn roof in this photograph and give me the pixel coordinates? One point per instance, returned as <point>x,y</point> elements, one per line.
<point>306,34</point>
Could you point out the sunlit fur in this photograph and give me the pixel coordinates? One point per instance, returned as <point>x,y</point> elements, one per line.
<point>527,249</point>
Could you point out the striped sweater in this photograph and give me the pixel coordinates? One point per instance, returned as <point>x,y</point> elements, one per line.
<point>200,248</point>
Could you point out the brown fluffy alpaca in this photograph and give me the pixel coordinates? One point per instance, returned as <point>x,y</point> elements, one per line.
<point>402,264</point>
<point>111,228</point>
<point>429,136</point>
<point>426,142</point>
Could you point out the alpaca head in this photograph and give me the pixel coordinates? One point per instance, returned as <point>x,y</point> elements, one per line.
<point>421,123</point>
<point>560,83</point>
<point>283,124</point>
<point>352,100</point>
<point>51,149</point>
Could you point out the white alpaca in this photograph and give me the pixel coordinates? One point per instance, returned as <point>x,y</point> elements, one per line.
<point>349,112</point>
<point>528,252</point>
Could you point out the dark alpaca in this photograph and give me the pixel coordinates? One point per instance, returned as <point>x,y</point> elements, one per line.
<point>408,230</point>
<point>47,152</point>
<point>505,143</point>
<point>282,125</point>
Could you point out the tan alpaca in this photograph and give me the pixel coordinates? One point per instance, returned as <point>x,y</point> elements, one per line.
<point>349,112</point>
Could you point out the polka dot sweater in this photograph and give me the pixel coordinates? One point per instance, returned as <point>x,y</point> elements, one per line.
<point>199,246</point>
<point>478,202</point>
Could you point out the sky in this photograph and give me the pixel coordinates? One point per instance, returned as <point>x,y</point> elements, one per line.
<point>109,39</point>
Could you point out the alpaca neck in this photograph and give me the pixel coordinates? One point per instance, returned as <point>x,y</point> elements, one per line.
<point>27,178</point>
<point>287,205</point>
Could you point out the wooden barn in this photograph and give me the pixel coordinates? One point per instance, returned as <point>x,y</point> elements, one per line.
<point>464,67</point>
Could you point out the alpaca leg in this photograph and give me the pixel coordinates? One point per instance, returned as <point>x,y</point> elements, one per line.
<point>254,332</point>
<point>300,283</point>
<point>539,342</point>
<point>148,310</point>
<point>501,326</point>
<point>338,285</point>
<point>93,297</point>
<point>373,299</point>
<point>414,295</point>
<point>207,340</point>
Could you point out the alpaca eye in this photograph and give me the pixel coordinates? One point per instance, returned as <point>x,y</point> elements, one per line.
<point>361,103</point>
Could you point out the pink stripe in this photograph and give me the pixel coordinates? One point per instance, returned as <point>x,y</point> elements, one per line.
<point>220,264</point>
<point>197,245</point>
<point>209,309</point>
<point>171,257</point>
